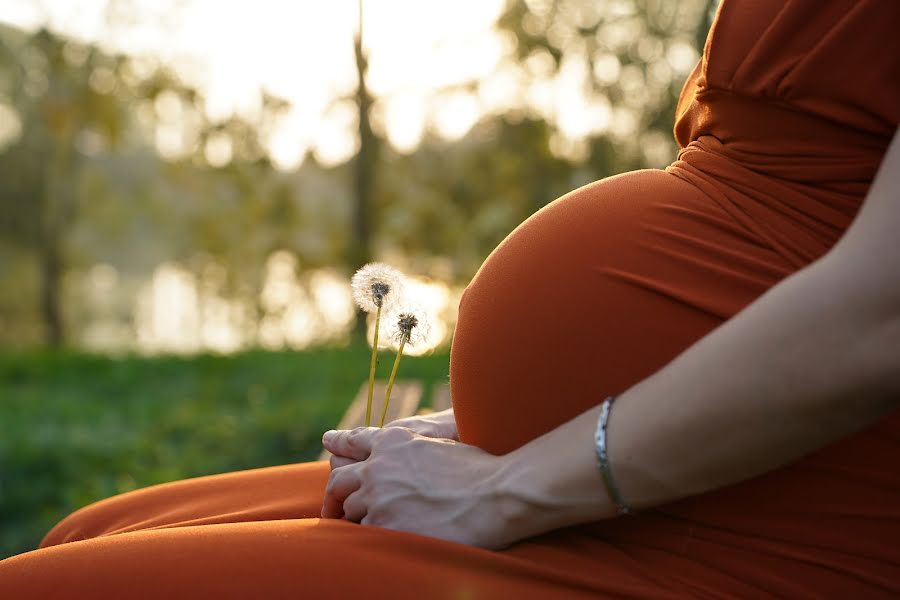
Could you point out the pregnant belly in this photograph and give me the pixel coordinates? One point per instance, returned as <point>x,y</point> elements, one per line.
<point>590,295</point>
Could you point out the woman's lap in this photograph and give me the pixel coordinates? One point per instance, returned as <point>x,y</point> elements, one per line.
<point>256,534</point>
<point>312,558</point>
<point>284,492</point>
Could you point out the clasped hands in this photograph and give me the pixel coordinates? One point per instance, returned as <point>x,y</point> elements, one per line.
<point>415,476</point>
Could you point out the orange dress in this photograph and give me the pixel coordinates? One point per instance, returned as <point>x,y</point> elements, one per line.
<point>782,127</point>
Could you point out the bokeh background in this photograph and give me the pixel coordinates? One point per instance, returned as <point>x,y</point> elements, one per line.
<point>186,187</point>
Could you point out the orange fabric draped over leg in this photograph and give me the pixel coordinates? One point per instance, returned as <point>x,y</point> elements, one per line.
<point>782,127</point>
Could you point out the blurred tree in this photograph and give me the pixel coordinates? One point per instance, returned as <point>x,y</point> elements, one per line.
<point>82,179</point>
<point>364,166</point>
<point>635,53</point>
<point>455,201</point>
<point>62,95</point>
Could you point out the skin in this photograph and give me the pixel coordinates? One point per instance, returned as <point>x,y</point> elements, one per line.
<point>821,361</point>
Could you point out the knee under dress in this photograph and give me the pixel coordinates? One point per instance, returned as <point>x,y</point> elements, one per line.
<point>782,126</point>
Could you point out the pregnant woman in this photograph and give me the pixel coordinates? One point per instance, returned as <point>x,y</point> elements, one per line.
<point>750,333</point>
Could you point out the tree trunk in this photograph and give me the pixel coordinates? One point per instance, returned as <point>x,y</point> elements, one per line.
<point>53,217</point>
<point>51,276</point>
<point>363,171</point>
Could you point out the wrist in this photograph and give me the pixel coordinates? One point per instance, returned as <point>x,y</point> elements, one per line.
<point>517,511</point>
<point>553,481</point>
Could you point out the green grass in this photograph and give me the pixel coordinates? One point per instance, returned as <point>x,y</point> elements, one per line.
<point>77,428</point>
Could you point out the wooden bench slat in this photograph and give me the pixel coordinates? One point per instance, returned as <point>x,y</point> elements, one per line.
<point>440,397</point>
<point>405,398</point>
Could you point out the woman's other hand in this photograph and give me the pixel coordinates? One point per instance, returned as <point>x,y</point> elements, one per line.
<point>408,482</point>
<point>441,425</point>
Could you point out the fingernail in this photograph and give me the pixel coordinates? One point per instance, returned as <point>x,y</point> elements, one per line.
<point>328,436</point>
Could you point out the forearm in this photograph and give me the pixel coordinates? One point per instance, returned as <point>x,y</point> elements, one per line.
<point>811,361</point>
<point>729,408</point>
<point>806,365</point>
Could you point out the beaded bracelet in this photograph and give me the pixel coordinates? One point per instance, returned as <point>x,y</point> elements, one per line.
<point>603,459</point>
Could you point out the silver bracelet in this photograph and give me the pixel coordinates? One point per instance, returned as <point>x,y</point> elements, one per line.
<point>603,459</point>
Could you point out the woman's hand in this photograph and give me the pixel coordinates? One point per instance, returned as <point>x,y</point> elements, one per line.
<point>434,425</point>
<point>408,482</point>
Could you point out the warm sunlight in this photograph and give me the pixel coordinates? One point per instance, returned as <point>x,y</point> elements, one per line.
<point>303,52</point>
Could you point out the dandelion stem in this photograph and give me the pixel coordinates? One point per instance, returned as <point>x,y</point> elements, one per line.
<point>390,386</point>
<point>372,367</point>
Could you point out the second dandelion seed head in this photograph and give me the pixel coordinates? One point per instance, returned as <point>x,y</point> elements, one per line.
<point>411,325</point>
<point>406,323</point>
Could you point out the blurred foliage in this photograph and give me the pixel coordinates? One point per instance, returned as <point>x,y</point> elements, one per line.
<point>636,54</point>
<point>84,183</point>
<point>112,159</point>
<point>77,428</point>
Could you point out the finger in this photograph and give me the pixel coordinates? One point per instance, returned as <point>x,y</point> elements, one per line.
<point>341,483</point>
<point>404,422</point>
<point>350,443</point>
<point>341,461</point>
<point>355,508</point>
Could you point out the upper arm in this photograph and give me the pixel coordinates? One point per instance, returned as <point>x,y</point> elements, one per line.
<point>871,247</point>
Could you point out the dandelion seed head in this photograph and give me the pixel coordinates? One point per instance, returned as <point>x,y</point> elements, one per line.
<point>412,324</point>
<point>407,322</point>
<point>376,285</point>
<point>380,290</point>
